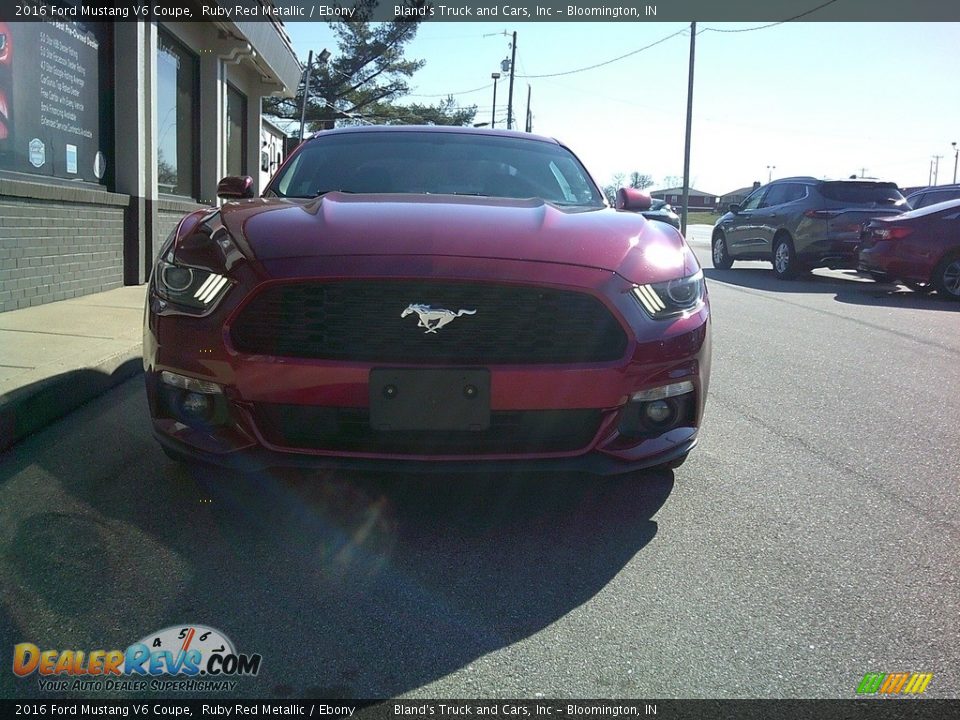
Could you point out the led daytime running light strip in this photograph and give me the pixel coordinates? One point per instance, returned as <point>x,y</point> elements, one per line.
<point>211,286</point>
<point>651,301</point>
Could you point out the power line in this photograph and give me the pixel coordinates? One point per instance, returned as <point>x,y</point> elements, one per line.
<point>769,25</point>
<point>607,62</point>
<point>462,92</point>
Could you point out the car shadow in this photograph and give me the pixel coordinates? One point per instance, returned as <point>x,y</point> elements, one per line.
<point>349,586</point>
<point>413,578</point>
<point>846,286</point>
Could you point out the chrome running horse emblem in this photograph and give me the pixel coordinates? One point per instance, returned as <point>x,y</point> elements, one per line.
<point>434,318</point>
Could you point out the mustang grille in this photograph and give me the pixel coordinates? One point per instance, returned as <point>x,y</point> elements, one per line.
<point>361,320</point>
<point>349,430</point>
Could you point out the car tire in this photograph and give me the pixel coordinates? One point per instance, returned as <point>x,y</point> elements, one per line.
<point>720,253</point>
<point>785,263</point>
<point>946,277</point>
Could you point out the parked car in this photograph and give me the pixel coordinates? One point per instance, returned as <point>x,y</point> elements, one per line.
<point>439,298</point>
<point>920,248</point>
<point>933,195</point>
<point>662,211</point>
<point>801,223</point>
<point>651,208</point>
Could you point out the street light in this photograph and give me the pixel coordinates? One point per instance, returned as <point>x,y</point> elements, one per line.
<point>770,169</point>
<point>956,152</point>
<point>493,115</point>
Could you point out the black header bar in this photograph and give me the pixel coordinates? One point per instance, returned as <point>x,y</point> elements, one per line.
<point>876,708</point>
<point>759,11</point>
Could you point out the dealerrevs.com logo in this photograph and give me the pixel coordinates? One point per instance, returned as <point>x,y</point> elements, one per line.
<point>185,658</point>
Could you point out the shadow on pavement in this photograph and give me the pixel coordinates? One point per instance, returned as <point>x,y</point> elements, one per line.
<point>34,406</point>
<point>851,289</point>
<point>348,586</point>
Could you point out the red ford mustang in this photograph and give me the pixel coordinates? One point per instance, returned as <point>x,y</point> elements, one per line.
<point>411,298</point>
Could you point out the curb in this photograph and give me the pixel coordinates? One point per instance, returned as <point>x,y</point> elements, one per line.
<point>27,409</point>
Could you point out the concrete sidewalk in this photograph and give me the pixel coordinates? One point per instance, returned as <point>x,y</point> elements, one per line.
<point>55,357</point>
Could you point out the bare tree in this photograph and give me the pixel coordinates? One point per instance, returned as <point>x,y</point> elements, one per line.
<point>639,181</point>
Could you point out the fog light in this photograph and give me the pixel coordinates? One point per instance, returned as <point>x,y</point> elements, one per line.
<point>658,411</point>
<point>196,406</point>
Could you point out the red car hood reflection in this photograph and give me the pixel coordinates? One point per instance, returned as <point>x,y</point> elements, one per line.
<point>478,227</point>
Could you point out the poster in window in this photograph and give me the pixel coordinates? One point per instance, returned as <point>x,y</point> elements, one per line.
<point>50,98</point>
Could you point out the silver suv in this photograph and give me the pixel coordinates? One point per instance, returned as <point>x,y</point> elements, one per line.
<point>800,223</point>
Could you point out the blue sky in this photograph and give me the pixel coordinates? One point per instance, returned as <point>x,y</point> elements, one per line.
<point>821,99</point>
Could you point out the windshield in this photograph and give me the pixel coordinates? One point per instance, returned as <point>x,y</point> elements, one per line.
<point>437,163</point>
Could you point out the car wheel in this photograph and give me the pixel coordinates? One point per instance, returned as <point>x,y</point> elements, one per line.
<point>922,288</point>
<point>721,256</point>
<point>946,277</point>
<point>785,265</point>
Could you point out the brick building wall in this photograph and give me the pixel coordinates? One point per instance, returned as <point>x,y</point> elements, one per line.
<point>58,242</point>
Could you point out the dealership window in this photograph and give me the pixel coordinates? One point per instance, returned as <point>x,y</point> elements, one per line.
<point>236,135</point>
<point>178,81</point>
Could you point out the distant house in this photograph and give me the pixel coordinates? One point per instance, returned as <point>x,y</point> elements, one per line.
<point>736,196</point>
<point>697,200</point>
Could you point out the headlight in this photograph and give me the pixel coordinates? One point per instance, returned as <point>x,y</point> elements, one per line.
<point>188,286</point>
<point>671,298</point>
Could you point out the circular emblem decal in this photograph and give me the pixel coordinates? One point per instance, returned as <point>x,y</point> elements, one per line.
<point>38,155</point>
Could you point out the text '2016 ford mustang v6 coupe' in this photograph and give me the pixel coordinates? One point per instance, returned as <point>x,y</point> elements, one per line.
<point>411,298</point>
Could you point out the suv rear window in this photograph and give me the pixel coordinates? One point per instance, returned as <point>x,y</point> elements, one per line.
<point>862,193</point>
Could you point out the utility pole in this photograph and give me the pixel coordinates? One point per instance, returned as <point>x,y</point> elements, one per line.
<point>863,172</point>
<point>306,93</point>
<point>936,167</point>
<point>529,124</point>
<point>686,151</point>
<point>513,62</point>
<point>930,176</point>
<point>321,60</point>
<point>956,154</point>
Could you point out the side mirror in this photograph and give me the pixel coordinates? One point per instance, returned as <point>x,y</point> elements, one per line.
<point>734,208</point>
<point>631,199</point>
<point>235,187</point>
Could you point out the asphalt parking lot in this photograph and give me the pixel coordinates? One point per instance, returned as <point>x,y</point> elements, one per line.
<point>811,537</point>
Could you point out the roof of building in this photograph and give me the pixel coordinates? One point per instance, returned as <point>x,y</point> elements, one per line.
<point>679,191</point>
<point>741,191</point>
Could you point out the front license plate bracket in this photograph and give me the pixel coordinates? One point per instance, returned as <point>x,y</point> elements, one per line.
<point>429,399</point>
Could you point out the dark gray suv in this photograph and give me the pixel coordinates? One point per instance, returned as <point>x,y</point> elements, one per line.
<point>933,195</point>
<point>800,223</point>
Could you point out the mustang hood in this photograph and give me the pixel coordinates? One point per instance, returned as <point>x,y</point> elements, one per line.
<point>340,224</point>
